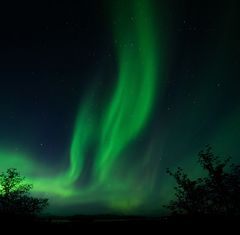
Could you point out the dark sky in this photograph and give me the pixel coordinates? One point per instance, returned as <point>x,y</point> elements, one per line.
<point>98,98</point>
<point>49,52</point>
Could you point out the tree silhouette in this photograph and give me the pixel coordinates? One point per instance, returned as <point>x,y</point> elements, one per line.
<point>15,198</point>
<point>216,193</point>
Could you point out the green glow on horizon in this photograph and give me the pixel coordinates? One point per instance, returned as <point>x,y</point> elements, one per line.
<point>13,159</point>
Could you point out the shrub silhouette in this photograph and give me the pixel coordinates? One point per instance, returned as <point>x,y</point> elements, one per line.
<point>15,198</point>
<point>215,194</point>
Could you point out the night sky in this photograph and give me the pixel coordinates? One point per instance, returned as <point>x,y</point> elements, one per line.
<point>98,98</point>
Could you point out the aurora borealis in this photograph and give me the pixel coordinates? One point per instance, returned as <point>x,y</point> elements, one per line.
<point>98,98</point>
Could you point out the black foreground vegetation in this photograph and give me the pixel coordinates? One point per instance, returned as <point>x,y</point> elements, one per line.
<point>16,202</point>
<point>216,194</point>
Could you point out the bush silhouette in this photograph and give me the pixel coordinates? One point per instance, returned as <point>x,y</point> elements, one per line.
<point>15,198</point>
<point>215,194</point>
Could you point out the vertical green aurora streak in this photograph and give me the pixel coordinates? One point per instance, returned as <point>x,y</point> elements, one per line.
<point>133,100</point>
<point>130,106</point>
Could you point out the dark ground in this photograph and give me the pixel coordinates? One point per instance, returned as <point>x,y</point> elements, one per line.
<point>122,224</point>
